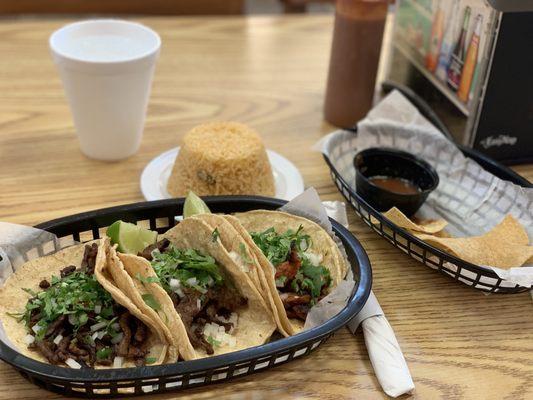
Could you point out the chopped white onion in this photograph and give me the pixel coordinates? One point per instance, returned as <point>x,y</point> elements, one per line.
<point>98,309</point>
<point>94,336</point>
<point>72,363</point>
<point>313,258</point>
<point>198,304</point>
<point>29,339</point>
<point>117,338</point>
<point>36,328</point>
<point>101,334</point>
<point>238,260</point>
<point>191,281</point>
<point>115,326</point>
<point>180,293</point>
<point>218,333</point>
<point>201,289</point>
<point>118,361</point>
<point>174,283</point>
<point>235,257</point>
<point>58,339</point>
<point>210,281</point>
<point>233,319</point>
<point>98,326</point>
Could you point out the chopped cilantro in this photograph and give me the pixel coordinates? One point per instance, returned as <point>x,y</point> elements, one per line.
<point>150,360</point>
<point>151,302</point>
<point>244,254</point>
<point>150,279</point>
<point>215,235</point>
<point>281,281</point>
<point>75,295</point>
<point>104,352</point>
<point>183,265</point>
<point>309,279</point>
<point>213,342</point>
<point>277,247</point>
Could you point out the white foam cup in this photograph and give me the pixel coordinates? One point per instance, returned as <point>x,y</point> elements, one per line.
<point>106,67</point>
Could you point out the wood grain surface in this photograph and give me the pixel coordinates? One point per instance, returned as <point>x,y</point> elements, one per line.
<point>268,72</point>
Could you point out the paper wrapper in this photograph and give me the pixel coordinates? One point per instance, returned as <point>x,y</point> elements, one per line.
<point>471,199</point>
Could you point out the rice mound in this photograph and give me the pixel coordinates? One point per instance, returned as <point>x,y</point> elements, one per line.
<point>219,158</point>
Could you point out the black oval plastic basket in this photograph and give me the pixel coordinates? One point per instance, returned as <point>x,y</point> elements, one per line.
<point>470,274</point>
<point>160,216</point>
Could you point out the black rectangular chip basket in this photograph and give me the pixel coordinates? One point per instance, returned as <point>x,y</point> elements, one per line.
<point>476,276</point>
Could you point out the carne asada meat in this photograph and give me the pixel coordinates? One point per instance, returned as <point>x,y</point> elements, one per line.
<point>214,302</point>
<point>44,284</point>
<point>161,245</point>
<point>66,338</point>
<point>89,258</point>
<point>67,271</point>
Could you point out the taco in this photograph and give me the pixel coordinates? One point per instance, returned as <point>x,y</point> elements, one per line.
<point>300,260</point>
<point>207,302</point>
<point>233,237</point>
<point>64,309</point>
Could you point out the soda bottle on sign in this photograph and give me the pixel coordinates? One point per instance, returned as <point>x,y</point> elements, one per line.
<point>470,61</point>
<point>447,42</point>
<point>456,64</point>
<point>435,41</point>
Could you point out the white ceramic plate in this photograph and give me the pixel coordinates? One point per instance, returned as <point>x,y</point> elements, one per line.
<point>287,178</point>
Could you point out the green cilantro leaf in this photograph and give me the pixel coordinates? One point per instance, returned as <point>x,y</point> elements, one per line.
<point>213,342</point>
<point>244,253</point>
<point>149,279</point>
<point>151,302</point>
<point>150,360</point>
<point>103,353</point>
<point>215,235</point>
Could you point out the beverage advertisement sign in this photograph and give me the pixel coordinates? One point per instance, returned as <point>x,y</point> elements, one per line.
<point>446,40</point>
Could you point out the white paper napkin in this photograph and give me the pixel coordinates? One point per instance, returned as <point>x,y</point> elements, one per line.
<point>383,349</point>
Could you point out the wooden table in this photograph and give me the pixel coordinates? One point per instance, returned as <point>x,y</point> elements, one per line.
<point>269,72</point>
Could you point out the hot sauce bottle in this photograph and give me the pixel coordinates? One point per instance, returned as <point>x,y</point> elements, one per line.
<point>355,51</point>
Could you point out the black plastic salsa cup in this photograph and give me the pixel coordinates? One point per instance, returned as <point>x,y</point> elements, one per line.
<point>386,162</point>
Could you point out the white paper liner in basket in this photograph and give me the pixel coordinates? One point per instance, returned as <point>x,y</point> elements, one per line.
<point>471,199</point>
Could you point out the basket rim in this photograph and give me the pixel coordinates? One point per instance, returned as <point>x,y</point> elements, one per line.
<point>485,271</point>
<point>279,347</point>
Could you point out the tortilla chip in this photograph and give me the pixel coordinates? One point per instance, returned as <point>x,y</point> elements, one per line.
<point>416,224</point>
<point>505,246</point>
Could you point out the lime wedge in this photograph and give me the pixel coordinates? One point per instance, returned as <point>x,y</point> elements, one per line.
<point>194,205</point>
<point>130,237</point>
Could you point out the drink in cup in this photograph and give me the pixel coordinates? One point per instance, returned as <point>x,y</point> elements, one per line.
<point>106,67</point>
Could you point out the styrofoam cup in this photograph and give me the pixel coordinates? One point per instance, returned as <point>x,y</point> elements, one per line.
<point>106,67</point>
